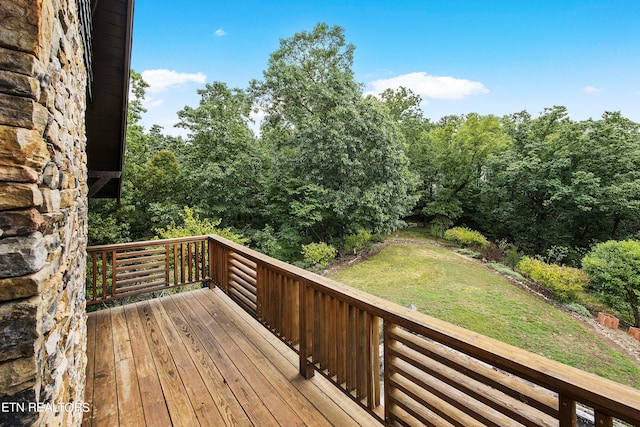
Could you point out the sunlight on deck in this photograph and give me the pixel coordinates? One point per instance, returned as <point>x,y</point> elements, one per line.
<point>196,358</point>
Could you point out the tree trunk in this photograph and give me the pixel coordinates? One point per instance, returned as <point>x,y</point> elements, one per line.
<point>634,303</point>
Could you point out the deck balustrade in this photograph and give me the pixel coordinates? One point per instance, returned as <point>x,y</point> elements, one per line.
<point>404,367</point>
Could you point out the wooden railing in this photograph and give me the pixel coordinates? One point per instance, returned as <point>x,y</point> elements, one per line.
<point>404,367</point>
<point>131,269</point>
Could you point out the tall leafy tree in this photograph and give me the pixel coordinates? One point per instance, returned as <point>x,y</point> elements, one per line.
<point>563,183</point>
<point>339,160</point>
<point>455,154</point>
<point>225,174</point>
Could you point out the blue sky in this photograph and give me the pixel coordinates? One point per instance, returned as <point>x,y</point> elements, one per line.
<point>495,57</point>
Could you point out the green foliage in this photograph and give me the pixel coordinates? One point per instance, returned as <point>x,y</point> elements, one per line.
<point>452,162</point>
<point>614,270</point>
<point>226,162</point>
<point>106,230</point>
<point>193,225</point>
<point>466,237</point>
<point>501,268</point>
<point>565,282</point>
<point>578,309</point>
<point>319,254</point>
<point>561,183</point>
<point>357,242</point>
<point>267,242</point>
<point>468,252</point>
<point>338,158</point>
<point>512,256</point>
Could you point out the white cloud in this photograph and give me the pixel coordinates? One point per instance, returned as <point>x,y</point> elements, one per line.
<point>163,79</point>
<point>151,102</point>
<point>257,116</point>
<point>220,32</point>
<point>591,89</point>
<point>428,86</point>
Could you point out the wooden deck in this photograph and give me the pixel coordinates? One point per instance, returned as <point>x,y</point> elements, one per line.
<point>197,359</point>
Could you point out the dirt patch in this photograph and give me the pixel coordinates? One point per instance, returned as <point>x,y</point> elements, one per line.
<point>617,338</point>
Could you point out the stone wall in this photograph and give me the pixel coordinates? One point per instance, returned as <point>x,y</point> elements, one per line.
<point>43,207</point>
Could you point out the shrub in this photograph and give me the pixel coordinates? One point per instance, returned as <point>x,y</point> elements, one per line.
<point>614,270</point>
<point>468,252</point>
<point>466,237</point>
<point>512,256</point>
<point>377,238</point>
<point>501,268</point>
<point>578,308</point>
<point>564,282</point>
<point>193,225</point>
<point>319,254</point>
<point>357,242</point>
<point>491,253</point>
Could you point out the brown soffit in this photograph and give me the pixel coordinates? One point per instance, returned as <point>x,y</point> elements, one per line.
<point>106,116</point>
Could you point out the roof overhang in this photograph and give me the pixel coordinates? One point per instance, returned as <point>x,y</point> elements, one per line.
<point>106,115</point>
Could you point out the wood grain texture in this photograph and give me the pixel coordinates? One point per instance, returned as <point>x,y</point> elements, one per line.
<point>196,358</point>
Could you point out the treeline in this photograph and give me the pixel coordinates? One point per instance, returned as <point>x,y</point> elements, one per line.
<point>330,162</point>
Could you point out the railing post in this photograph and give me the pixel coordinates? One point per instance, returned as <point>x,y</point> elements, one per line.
<point>306,329</point>
<point>603,420</point>
<point>387,327</point>
<point>373,362</point>
<point>261,275</point>
<point>567,408</point>
<point>114,284</point>
<point>210,247</point>
<point>167,266</point>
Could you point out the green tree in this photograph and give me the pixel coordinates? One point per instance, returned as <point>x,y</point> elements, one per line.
<point>563,183</point>
<point>151,187</point>
<point>614,271</point>
<point>225,160</point>
<point>338,159</point>
<point>192,225</point>
<point>457,152</point>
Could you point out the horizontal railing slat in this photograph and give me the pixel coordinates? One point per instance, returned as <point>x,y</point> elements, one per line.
<point>508,384</point>
<point>127,262</point>
<point>140,253</point>
<point>125,273</point>
<point>133,269</point>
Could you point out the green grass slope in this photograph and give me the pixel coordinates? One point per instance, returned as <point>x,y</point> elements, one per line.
<point>461,291</point>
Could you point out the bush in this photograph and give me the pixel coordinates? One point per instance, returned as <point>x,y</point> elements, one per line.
<point>193,225</point>
<point>319,254</point>
<point>468,252</point>
<point>564,282</point>
<point>512,256</point>
<point>491,253</point>
<point>614,270</point>
<point>266,241</point>
<point>578,308</point>
<point>466,237</point>
<point>357,242</point>
<point>501,268</point>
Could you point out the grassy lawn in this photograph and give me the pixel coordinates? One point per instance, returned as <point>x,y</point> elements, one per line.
<point>461,291</point>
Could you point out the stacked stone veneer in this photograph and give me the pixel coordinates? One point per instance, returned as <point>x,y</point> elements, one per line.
<point>43,212</point>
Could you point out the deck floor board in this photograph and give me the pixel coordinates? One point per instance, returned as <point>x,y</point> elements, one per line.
<point>196,359</point>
